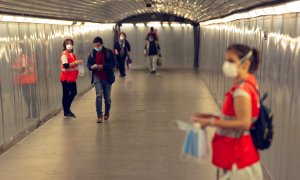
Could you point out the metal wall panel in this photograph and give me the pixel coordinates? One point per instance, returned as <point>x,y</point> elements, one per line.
<point>177,45</point>
<point>41,45</point>
<point>278,75</point>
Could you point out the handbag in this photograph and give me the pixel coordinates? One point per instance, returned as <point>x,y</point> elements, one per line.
<point>159,61</point>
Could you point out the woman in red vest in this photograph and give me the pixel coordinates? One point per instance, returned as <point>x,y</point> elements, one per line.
<point>68,77</point>
<point>26,78</point>
<point>233,149</point>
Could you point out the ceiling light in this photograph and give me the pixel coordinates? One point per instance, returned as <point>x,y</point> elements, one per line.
<point>140,24</point>
<point>127,25</point>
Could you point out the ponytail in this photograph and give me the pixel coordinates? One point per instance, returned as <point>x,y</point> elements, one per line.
<point>255,60</point>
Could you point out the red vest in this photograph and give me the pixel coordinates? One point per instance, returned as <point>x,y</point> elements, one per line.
<point>28,74</point>
<point>231,146</point>
<point>70,74</point>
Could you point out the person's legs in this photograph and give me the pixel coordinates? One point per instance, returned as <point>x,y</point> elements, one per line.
<point>73,93</point>
<point>34,101</point>
<point>107,98</point>
<point>26,94</point>
<point>99,90</point>
<point>154,61</point>
<point>122,67</point>
<point>65,98</point>
<point>150,62</point>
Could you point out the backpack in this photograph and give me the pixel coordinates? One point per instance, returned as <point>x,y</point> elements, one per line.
<point>262,129</point>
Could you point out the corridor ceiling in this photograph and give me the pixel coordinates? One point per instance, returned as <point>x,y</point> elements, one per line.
<point>107,11</point>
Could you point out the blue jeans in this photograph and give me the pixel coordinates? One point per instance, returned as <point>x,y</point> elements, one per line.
<point>103,89</point>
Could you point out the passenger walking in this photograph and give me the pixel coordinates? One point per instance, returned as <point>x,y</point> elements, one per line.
<point>69,75</point>
<point>152,53</point>
<point>101,62</point>
<point>122,51</point>
<point>233,150</point>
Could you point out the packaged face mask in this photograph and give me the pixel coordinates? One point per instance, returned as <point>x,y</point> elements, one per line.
<point>81,69</point>
<point>195,145</point>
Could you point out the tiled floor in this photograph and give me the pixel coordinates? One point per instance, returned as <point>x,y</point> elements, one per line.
<point>136,144</point>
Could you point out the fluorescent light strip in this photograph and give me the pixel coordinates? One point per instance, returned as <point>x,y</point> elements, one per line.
<point>154,24</point>
<point>21,19</point>
<point>127,25</point>
<point>290,7</point>
<point>140,24</point>
<point>175,25</point>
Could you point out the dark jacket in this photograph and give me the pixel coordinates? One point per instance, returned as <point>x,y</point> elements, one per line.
<point>109,64</point>
<point>117,46</point>
<point>152,48</point>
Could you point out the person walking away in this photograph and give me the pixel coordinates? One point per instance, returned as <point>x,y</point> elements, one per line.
<point>69,75</point>
<point>101,62</point>
<point>233,150</point>
<point>152,52</point>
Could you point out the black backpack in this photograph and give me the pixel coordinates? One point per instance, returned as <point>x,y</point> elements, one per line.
<point>262,129</point>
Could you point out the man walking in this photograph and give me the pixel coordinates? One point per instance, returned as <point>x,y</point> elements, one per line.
<point>102,62</point>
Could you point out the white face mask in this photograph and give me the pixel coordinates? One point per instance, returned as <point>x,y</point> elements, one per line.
<point>69,47</point>
<point>122,38</point>
<point>230,70</point>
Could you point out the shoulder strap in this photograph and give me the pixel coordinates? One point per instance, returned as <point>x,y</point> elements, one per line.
<point>249,82</point>
<point>265,94</point>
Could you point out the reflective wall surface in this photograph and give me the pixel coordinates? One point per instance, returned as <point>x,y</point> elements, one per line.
<point>278,75</point>
<point>177,45</point>
<point>29,94</point>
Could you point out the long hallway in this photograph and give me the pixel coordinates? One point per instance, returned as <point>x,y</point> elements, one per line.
<point>136,144</point>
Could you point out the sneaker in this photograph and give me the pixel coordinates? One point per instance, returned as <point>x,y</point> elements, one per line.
<point>69,115</point>
<point>100,119</point>
<point>106,116</point>
<point>72,114</point>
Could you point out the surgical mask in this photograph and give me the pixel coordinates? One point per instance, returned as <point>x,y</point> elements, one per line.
<point>98,49</point>
<point>122,38</point>
<point>69,47</point>
<point>230,70</point>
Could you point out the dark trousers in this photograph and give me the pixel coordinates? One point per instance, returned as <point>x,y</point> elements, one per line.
<point>121,62</point>
<point>69,93</point>
<point>30,95</point>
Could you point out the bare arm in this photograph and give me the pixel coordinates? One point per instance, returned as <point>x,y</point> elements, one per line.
<point>242,107</point>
